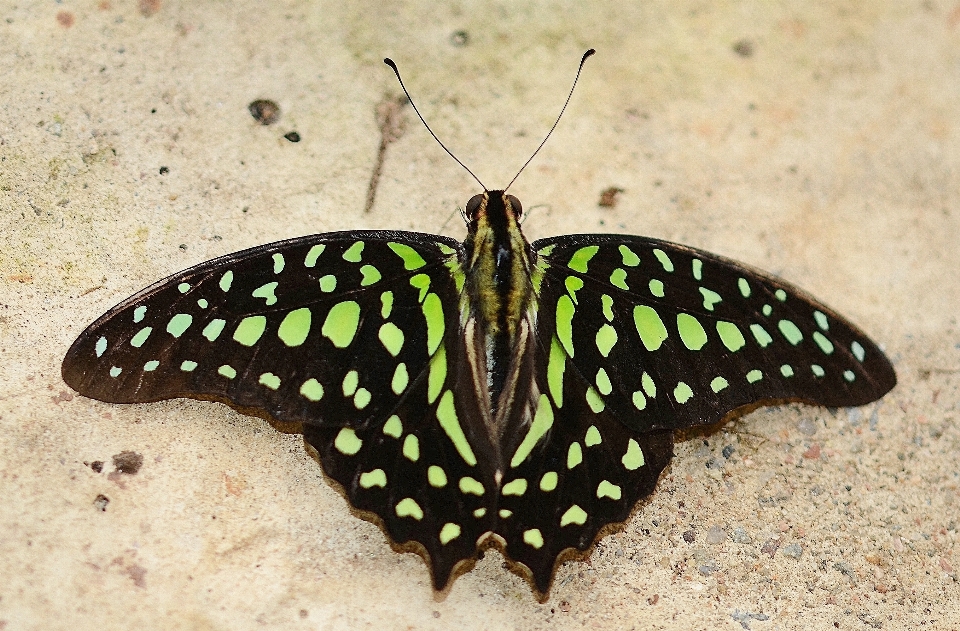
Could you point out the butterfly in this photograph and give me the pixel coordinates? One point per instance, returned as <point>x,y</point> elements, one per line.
<point>490,393</point>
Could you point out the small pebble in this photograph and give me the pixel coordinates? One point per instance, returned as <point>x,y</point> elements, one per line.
<point>740,535</point>
<point>807,427</point>
<point>716,535</point>
<point>794,550</point>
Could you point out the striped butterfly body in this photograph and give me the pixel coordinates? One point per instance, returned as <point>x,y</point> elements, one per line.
<point>489,393</point>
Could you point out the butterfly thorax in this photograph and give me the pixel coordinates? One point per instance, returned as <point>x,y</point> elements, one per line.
<point>498,264</point>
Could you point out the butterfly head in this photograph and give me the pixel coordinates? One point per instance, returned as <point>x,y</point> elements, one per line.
<point>494,208</point>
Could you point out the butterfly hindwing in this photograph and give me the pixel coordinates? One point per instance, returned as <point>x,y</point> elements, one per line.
<point>671,337</point>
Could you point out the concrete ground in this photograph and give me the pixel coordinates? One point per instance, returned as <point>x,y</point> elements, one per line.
<point>818,141</point>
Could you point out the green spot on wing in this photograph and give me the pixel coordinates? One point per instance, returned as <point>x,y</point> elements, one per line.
<point>313,255</point>
<point>718,384</point>
<point>825,345</point>
<point>533,538</point>
<point>691,332</point>
<point>760,334</point>
<point>386,304</point>
<point>354,252</point>
<point>607,489</point>
<point>433,313</point>
<point>269,380</point>
<point>744,287</point>
<point>786,370</point>
<point>449,532</point>
<point>213,330</point>
<point>250,329</point>
<point>564,323</point>
<point>411,258</point>
<point>312,390</point>
<point>664,259</point>
<point>151,365</point>
<point>606,339</point>
<point>857,350</point>
<point>371,275</point>
<point>821,320</point>
<point>649,326</point>
<point>592,437</point>
<point>581,258</point>
<point>278,263</point>
<point>549,481</point>
<point>556,366</point>
<point>393,427</point>
<point>350,382</point>
<point>656,288</point>
<point>730,335</point>
<point>447,415</point>
<point>188,366</point>
<point>697,268</point>
<point>470,486</point>
<point>574,455</point>
<point>619,279</point>
<point>411,447</point>
<point>633,459</point>
<point>370,479</point>
<point>437,375</point>
<point>295,327</point>
<point>542,422</point>
<point>682,393</point>
<point>436,477</point>
<point>407,507</point>
<point>328,283</point>
<point>340,325</point>
<point>227,371</point>
<point>790,331</point>
<point>138,313</point>
<point>183,288</point>
<point>607,305</point>
<point>391,337</point>
<point>573,515</point>
<point>710,298</point>
<point>226,281</point>
<point>754,376</point>
<point>630,258</point>
<point>515,487</point>
<point>646,381</point>
<point>138,340</point>
<point>399,382</point>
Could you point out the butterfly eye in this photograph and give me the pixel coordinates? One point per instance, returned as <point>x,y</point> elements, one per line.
<point>473,205</point>
<point>515,204</point>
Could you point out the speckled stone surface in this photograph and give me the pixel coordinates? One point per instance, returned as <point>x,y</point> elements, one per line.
<point>818,141</point>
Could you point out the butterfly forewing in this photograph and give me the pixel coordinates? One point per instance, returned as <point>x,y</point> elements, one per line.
<point>672,337</point>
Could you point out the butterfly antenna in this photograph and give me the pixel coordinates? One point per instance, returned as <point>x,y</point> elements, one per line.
<point>392,65</point>
<point>562,110</point>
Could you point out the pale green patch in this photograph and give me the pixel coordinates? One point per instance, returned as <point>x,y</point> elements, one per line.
<point>754,376</point>
<point>581,258</point>
<point>421,282</point>
<point>151,365</point>
<point>295,327</point>
<point>480,512</point>
<point>656,288</point>
<point>213,330</point>
<point>821,320</point>
<point>533,538</point>
<point>664,259</point>
<point>848,375</point>
<point>340,325</point>
<point>592,437</point>
<point>825,345</point>
<point>138,313</point>
<point>438,374</point>
<point>447,415</point>
<point>556,366</point>
<point>393,427</point>
<point>278,263</point>
<point>549,481</point>
<point>607,303</point>
<point>730,335</point>
<point>639,401</point>
<point>266,292</point>
<point>436,476</point>
<point>226,281</point>
<point>370,479</point>
<point>858,351</point>
<point>313,255</point>
<point>445,249</point>
<point>817,370</point>
<point>202,303</point>
<point>574,515</point>
<point>781,295</point>
<point>564,326</point>
<point>471,486</point>
<point>630,258</point>
<point>328,283</point>
<point>361,399</point>
<point>371,275</point>
<point>790,331</point>
<point>606,339</point>
<point>548,250</point>
<point>515,487</point>
<point>618,278</point>
<point>682,393</point>
<point>188,366</point>
<point>607,489</point>
<point>347,442</point>
<point>411,448</point>
<point>138,340</point>
<point>312,390</point>
<point>542,422</point>
<point>786,370</point>
<point>574,455</point>
<point>573,284</point>
<point>648,385</point>
<point>354,252</point>
<point>411,258</point>
<point>391,337</point>
<point>633,459</point>
<point>767,310</point>
<point>744,287</point>
<point>718,384</point>
<point>710,298</point>
<point>433,313</point>
<point>227,371</point>
<point>649,326</point>
<point>250,329</point>
<point>449,532</point>
<point>760,334</point>
<point>504,513</point>
<point>691,332</point>
<point>183,288</point>
<point>269,380</point>
<point>115,371</point>
<point>350,382</point>
<point>594,401</point>
<point>407,507</point>
<point>400,379</point>
<point>697,266</point>
<point>603,382</point>
<point>386,304</point>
